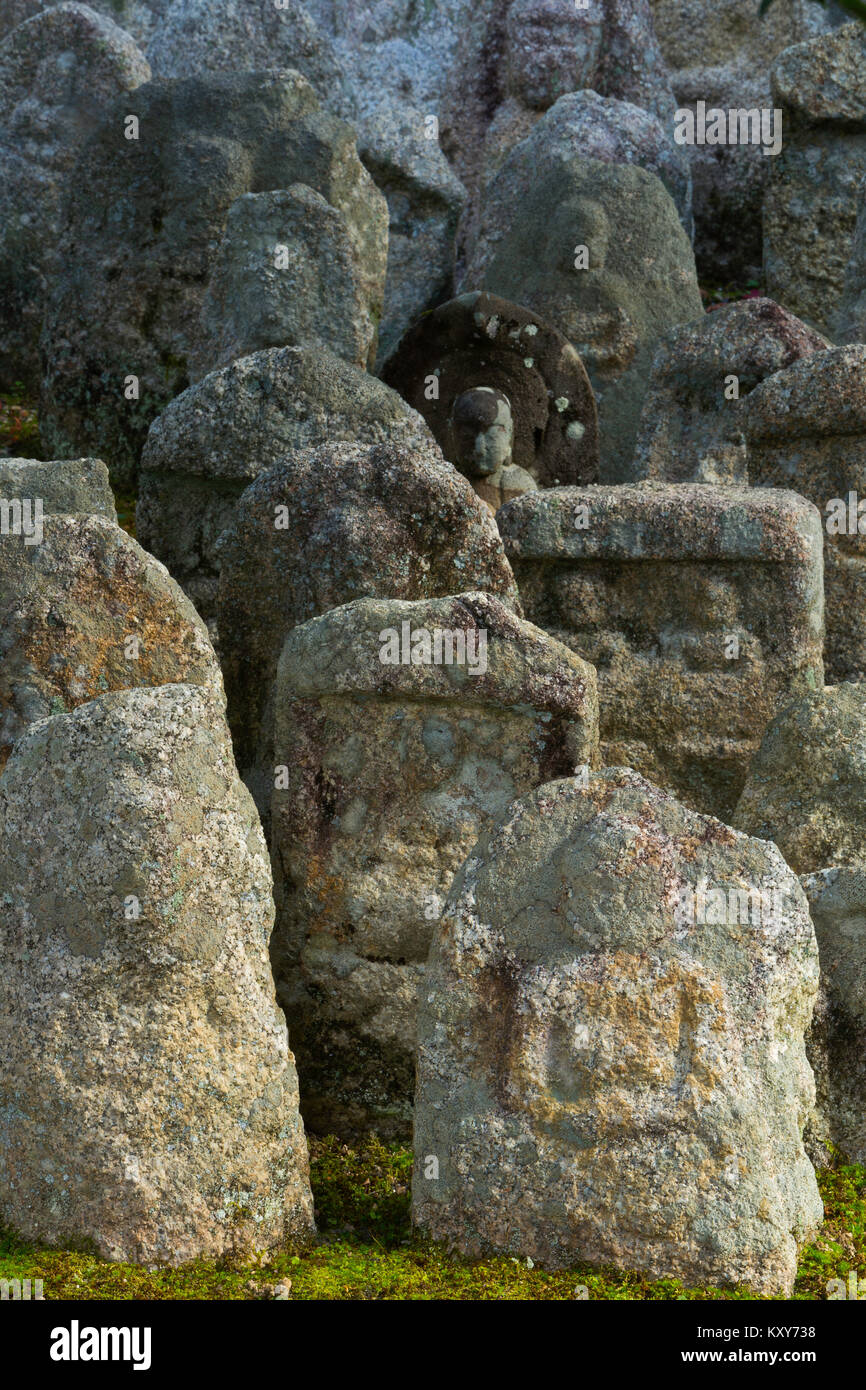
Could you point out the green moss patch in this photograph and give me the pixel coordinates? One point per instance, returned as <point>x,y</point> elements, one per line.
<point>366,1250</point>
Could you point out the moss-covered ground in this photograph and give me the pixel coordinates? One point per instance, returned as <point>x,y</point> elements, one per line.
<point>366,1250</point>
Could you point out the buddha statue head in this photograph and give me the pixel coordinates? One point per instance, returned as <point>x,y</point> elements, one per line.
<point>480,438</point>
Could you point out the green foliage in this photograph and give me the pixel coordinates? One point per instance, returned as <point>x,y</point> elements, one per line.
<point>716,296</point>
<point>19,426</point>
<point>366,1250</point>
<point>124,503</point>
<point>362,1192</point>
<point>841,1242</point>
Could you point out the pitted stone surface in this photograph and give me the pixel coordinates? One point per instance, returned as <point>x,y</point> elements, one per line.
<point>62,485</point>
<point>143,223</point>
<point>59,72</point>
<point>810,207</point>
<point>579,122</point>
<point>596,249</point>
<point>722,55</point>
<point>601,1078</point>
<point>395,139</point>
<point>287,273</point>
<point>150,1105</point>
<point>87,611</point>
<point>691,425</point>
<point>329,525</point>
<point>198,36</point>
<point>390,771</point>
<point>836,1042</point>
<point>805,429</point>
<point>701,608</point>
<point>806,788</point>
<point>514,62</point>
<point>215,438</point>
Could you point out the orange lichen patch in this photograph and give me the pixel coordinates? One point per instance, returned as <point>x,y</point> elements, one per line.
<point>646,1035</point>
<point>94,614</point>
<point>326,888</point>
<point>95,658</point>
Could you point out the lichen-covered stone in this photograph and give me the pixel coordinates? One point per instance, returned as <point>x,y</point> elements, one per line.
<point>59,71</point>
<point>87,611</point>
<point>288,273</point>
<point>805,429</point>
<point>395,140</point>
<point>326,526</point>
<point>605,1075</point>
<point>198,36</point>
<point>701,608</point>
<point>850,324</point>
<point>62,485</point>
<point>148,1097</point>
<point>806,792</point>
<point>514,63</point>
<point>580,123</point>
<point>143,224</point>
<point>810,206</point>
<point>399,148</point>
<point>598,250</point>
<point>836,1042</point>
<point>482,342</point>
<point>215,438</point>
<point>722,55</point>
<point>389,773</point>
<point>806,788</point>
<point>690,427</point>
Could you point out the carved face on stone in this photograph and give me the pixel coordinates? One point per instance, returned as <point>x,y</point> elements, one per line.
<point>514,409</point>
<point>552,48</point>
<point>481,432</point>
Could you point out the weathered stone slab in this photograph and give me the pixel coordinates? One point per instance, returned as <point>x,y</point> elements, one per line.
<point>514,62</point>
<point>836,1042</point>
<point>806,788</point>
<point>810,206</point>
<point>396,141</point>
<point>62,485</point>
<point>722,55</point>
<point>700,607</point>
<point>578,122</point>
<point>691,428</point>
<point>597,249</point>
<point>214,439</point>
<point>143,223</point>
<point>480,343</point>
<point>805,429</point>
<point>326,526</point>
<point>148,1097</point>
<point>389,773</point>
<point>287,273</point>
<point>599,1078</point>
<point>84,610</point>
<point>806,792</point>
<point>59,72</point>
